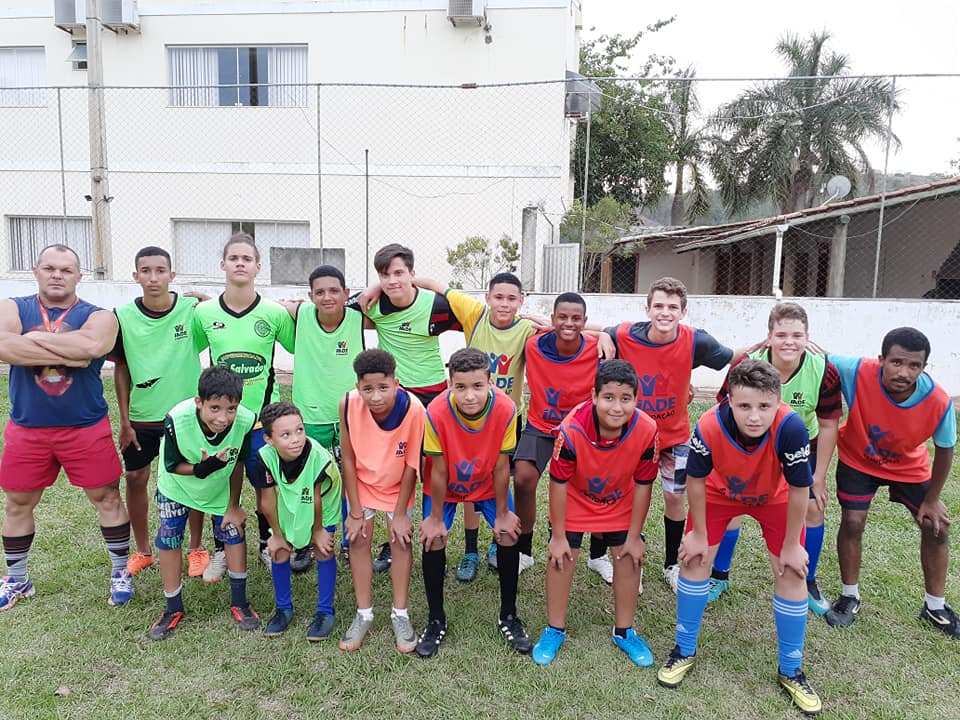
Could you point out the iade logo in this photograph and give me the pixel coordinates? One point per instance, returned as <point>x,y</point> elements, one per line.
<point>553,397</point>
<point>306,496</point>
<point>736,485</point>
<point>648,385</point>
<point>464,470</point>
<point>875,434</point>
<point>401,449</point>
<point>596,485</point>
<point>179,332</point>
<point>341,347</point>
<point>797,399</point>
<point>404,327</point>
<point>499,364</point>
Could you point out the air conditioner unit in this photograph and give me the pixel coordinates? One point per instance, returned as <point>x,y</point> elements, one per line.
<point>70,15</point>
<point>120,14</point>
<point>467,12</point>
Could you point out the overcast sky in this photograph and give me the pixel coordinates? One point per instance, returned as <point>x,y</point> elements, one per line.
<point>736,39</point>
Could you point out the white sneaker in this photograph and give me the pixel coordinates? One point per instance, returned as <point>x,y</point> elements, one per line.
<point>216,568</point>
<point>602,567</point>
<point>264,556</point>
<point>526,562</point>
<point>670,576</point>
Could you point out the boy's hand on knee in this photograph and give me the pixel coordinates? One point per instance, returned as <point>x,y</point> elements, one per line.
<point>433,533</point>
<point>506,528</point>
<point>558,551</point>
<point>793,557</point>
<point>278,544</point>
<point>934,514</point>
<point>635,549</point>
<point>323,544</point>
<point>401,530</point>
<point>234,516</point>
<point>355,527</point>
<point>693,547</point>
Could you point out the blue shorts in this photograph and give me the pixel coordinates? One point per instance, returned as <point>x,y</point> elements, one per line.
<point>256,472</point>
<point>487,508</point>
<point>173,521</point>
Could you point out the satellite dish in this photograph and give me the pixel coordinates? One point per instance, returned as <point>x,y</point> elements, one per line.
<point>837,187</point>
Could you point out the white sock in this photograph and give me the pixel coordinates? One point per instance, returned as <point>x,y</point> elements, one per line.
<point>365,613</point>
<point>399,612</point>
<point>933,602</point>
<point>851,590</point>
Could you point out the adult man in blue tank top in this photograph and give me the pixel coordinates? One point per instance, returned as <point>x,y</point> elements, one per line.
<point>55,343</point>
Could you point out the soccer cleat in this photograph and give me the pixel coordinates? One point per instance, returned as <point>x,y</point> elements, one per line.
<point>433,635</point>
<point>944,620</point>
<point>816,602</point>
<point>602,567</point>
<point>672,672</point>
<point>635,647</point>
<point>279,623</point>
<point>216,568</point>
<point>302,560</point>
<point>515,634</point>
<point>492,556</point>
<point>467,569</point>
<point>321,627</point>
<point>671,574</point>
<point>803,696</point>
<point>139,561</point>
<point>245,617</point>
<point>264,556</point>
<point>717,588</point>
<point>357,632</point>
<point>547,647</point>
<point>197,561</point>
<point>381,563</point>
<point>843,611</point>
<point>526,562</point>
<point>12,591</point>
<point>121,588</point>
<point>403,633</point>
<point>165,625</point>
<point>344,553</point>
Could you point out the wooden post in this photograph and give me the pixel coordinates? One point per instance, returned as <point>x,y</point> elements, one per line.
<point>606,274</point>
<point>838,257</point>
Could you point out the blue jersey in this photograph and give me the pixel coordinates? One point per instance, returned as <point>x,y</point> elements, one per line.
<point>56,396</point>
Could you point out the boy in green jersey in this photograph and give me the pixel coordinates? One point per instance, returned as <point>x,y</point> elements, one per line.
<point>203,440</point>
<point>147,382</point>
<point>301,500</point>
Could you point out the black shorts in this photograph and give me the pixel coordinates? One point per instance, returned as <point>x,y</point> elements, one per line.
<point>535,447</point>
<point>148,437</point>
<point>519,433</point>
<point>855,490</point>
<point>610,539</point>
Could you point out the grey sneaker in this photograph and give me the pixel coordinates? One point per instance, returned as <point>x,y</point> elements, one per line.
<point>357,632</point>
<point>403,633</point>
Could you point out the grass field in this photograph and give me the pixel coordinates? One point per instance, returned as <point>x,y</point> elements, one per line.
<point>66,654</point>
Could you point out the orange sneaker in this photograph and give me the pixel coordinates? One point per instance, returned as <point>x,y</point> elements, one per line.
<point>138,561</point>
<point>197,561</point>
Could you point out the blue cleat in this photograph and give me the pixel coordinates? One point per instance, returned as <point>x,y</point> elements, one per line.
<point>121,588</point>
<point>635,647</point>
<point>547,647</point>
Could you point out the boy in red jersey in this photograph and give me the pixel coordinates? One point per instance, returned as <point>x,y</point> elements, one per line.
<point>748,456</point>
<point>603,466</point>
<point>470,433</point>
<point>895,407</point>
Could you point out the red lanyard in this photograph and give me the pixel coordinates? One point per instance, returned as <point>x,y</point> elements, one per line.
<point>55,325</point>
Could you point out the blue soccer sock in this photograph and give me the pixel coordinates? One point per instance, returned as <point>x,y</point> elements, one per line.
<point>728,544</point>
<point>343,522</point>
<point>282,592</point>
<point>691,602</point>
<point>814,545</point>
<point>791,619</point>
<point>174,600</point>
<point>326,584</point>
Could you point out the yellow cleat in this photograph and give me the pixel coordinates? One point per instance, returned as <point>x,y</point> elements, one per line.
<point>801,693</point>
<point>675,668</point>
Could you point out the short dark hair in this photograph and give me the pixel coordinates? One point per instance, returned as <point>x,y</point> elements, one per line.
<point>507,279</point>
<point>59,247</point>
<point>274,411</point>
<point>570,297</point>
<point>373,361</point>
<point>909,338</point>
<point>468,359</point>
<point>327,271</point>
<point>616,371</point>
<point>151,251</point>
<point>670,286</point>
<point>755,374</point>
<point>386,254</point>
<point>220,381</point>
<point>246,239</point>
<point>787,311</point>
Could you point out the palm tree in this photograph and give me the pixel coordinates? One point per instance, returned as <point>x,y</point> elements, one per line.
<point>782,140</point>
<point>687,152</point>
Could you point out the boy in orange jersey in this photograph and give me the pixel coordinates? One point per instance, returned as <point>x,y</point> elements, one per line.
<point>381,431</point>
<point>603,466</point>
<point>471,431</point>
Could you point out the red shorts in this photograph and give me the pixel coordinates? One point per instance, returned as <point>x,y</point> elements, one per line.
<point>32,457</point>
<point>772,519</point>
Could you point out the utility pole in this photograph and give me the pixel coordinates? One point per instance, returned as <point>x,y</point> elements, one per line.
<point>99,184</point>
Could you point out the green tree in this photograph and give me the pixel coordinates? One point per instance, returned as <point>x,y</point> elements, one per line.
<point>688,152</point>
<point>783,140</point>
<point>607,220</point>
<point>475,260</point>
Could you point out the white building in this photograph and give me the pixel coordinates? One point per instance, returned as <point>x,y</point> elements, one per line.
<point>236,144</point>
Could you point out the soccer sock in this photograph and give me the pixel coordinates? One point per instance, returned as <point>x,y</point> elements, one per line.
<point>343,522</point>
<point>508,568</point>
<point>117,539</point>
<point>933,602</point>
<point>264,528</point>
<point>434,569</point>
<point>16,550</point>
<point>366,613</point>
<point>174,600</point>
<point>850,590</point>
<point>598,547</point>
<point>399,612</point>
<point>238,588</point>
<point>559,630</point>
<point>672,535</point>
<point>813,544</point>
<point>525,543</point>
<point>620,632</point>
<point>282,590</point>
<point>791,620</point>
<point>470,540</point>
<point>724,558</point>
<point>326,584</point>
<point>691,602</point>
<point>218,545</point>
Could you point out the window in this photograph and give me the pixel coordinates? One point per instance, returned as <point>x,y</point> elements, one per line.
<point>22,67</point>
<point>78,56</point>
<point>198,244</point>
<point>234,76</point>
<point>29,235</point>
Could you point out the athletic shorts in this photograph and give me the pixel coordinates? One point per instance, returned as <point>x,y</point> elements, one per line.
<point>327,435</point>
<point>772,519</point>
<point>610,539</point>
<point>855,490</point>
<point>673,468</point>
<point>519,434</point>
<point>148,437</point>
<point>369,513</point>
<point>32,457</point>
<point>534,446</point>
<point>256,472</point>
<point>173,521</point>
<point>487,508</point>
